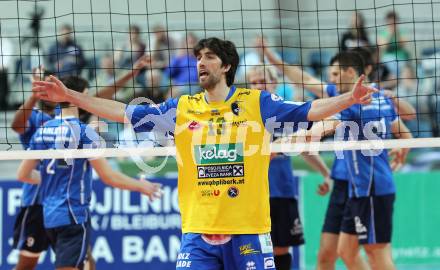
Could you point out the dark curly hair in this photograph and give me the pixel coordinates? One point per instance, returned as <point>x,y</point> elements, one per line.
<point>225,50</point>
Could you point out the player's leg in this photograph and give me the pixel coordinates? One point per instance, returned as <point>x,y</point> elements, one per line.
<point>89,262</point>
<point>378,247</point>
<point>351,232</point>
<point>249,251</point>
<point>327,254</point>
<point>27,261</point>
<point>199,251</point>
<point>30,237</point>
<point>70,245</point>
<point>380,256</point>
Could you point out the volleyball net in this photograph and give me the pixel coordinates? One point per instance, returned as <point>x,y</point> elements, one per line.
<point>129,49</point>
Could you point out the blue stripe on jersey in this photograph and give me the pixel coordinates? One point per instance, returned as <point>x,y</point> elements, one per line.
<point>369,170</point>
<point>36,120</point>
<point>282,182</point>
<point>66,183</point>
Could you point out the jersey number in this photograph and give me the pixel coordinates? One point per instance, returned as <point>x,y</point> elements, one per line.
<point>219,123</point>
<point>50,168</point>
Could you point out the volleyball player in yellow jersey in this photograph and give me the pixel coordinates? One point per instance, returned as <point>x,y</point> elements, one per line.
<point>222,138</point>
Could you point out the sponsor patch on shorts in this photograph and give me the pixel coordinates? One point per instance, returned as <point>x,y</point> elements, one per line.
<point>265,243</point>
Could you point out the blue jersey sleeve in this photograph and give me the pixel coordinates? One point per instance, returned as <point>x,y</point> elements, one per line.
<point>90,138</point>
<point>279,112</point>
<point>153,118</point>
<point>331,90</point>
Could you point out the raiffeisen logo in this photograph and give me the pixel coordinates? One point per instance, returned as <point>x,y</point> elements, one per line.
<point>218,153</point>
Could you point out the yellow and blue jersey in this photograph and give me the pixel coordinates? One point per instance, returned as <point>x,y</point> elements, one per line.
<point>66,183</point>
<point>222,154</point>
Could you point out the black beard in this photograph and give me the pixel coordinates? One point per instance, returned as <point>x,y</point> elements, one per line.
<point>210,82</point>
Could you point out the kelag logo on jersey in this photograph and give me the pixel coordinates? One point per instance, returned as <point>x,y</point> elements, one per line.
<point>218,153</point>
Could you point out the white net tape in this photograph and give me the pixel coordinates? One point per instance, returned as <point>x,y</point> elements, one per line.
<point>171,151</point>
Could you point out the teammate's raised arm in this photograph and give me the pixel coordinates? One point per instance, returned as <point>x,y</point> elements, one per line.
<point>110,90</point>
<point>296,74</point>
<point>55,91</point>
<point>21,116</point>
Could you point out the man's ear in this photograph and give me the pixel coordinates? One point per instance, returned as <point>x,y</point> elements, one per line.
<point>352,72</point>
<point>227,68</point>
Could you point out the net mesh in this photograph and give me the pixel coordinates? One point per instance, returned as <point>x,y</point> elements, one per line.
<point>103,40</point>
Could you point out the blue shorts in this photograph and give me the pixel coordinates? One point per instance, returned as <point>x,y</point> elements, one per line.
<point>336,206</point>
<point>243,251</point>
<point>70,244</point>
<point>370,218</point>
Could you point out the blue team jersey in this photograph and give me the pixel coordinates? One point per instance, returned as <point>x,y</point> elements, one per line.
<point>339,169</point>
<point>66,183</point>
<point>36,120</point>
<point>162,118</point>
<point>282,182</point>
<point>369,171</point>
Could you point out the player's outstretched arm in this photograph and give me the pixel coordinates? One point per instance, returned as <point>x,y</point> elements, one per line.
<point>108,91</point>
<point>323,108</point>
<point>26,172</point>
<point>294,73</point>
<point>119,180</point>
<point>56,91</point>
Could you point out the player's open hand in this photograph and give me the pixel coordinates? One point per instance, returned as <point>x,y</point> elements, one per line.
<point>152,190</point>
<point>398,158</point>
<point>361,94</point>
<point>53,90</point>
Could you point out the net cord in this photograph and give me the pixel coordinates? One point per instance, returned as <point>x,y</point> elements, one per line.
<point>171,150</point>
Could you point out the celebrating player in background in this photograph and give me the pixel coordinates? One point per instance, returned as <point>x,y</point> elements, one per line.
<point>221,132</point>
<point>287,229</point>
<point>368,213</point>
<point>66,183</point>
<point>341,81</point>
<point>29,233</point>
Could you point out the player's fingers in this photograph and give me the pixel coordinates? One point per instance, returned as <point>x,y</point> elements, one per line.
<point>39,89</point>
<point>41,83</point>
<point>56,81</point>
<point>360,81</point>
<point>372,90</point>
